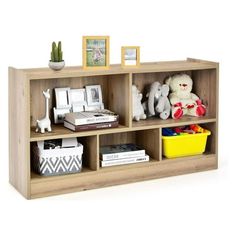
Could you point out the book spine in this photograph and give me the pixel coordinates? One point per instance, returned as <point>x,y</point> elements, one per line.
<point>122,155</point>
<point>91,126</point>
<point>125,161</point>
<point>86,121</point>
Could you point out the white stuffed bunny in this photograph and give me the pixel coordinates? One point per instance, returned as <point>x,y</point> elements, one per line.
<point>138,111</point>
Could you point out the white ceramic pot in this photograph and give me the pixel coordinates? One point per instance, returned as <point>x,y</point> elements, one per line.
<point>56,65</point>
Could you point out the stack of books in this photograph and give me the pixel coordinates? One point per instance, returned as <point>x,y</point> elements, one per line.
<point>91,120</point>
<point>122,154</point>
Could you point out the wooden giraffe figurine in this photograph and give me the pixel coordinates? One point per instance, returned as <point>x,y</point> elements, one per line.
<point>45,123</point>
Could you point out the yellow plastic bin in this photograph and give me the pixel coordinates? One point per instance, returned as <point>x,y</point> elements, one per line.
<point>184,145</point>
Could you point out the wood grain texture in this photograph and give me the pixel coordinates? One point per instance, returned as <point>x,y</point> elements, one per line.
<point>119,96</point>
<point>19,132</point>
<point>105,177</point>
<point>26,104</point>
<point>77,71</point>
<point>90,155</point>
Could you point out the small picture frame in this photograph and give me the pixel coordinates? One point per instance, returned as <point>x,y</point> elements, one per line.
<point>77,97</point>
<point>62,98</point>
<point>94,108</point>
<point>130,56</point>
<point>96,52</point>
<point>59,114</point>
<point>94,95</point>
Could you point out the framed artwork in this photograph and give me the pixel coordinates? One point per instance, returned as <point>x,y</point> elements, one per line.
<point>94,95</point>
<point>96,52</point>
<point>130,56</point>
<point>62,98</point>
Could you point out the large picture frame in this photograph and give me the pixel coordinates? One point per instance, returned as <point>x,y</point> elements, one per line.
<point>96,52</point>
<point>130,56</point>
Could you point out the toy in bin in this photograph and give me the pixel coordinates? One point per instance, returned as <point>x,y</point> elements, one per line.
<point>56,157</point>
<point>184,141</point>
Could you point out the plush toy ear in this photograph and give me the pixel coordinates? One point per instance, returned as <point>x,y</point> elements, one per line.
<point>151,97</point>
<point>168,80</point>
<point>165,90</point>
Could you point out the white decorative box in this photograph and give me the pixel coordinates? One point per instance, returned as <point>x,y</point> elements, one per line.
<point>64,160</point>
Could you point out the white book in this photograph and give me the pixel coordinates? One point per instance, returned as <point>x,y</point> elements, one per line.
<point>93,117</point>
<point>120,151</point>
<point>125,161</point>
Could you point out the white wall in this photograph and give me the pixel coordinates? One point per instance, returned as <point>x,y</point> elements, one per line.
<point>197,204</point>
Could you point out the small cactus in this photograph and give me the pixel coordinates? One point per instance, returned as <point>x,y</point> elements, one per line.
<point>56,53</point>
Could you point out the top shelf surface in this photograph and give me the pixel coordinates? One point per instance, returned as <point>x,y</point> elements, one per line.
<point>164,66</point>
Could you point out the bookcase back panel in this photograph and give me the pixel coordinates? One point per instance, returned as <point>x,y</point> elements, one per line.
<point>146,139</point>
<point>109,85</point>
<point>204,85</point>
<point>211,146</point>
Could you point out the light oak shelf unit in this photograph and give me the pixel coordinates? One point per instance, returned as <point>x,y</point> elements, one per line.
<point>26,104</point>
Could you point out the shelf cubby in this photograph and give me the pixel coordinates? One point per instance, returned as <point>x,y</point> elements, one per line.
<point>146,139</point>
<point>203,85</point>
<point>26,104</point>
<point>211,145</point>
<point>110,85</point>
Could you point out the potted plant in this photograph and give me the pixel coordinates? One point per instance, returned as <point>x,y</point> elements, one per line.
<point>56,62</point>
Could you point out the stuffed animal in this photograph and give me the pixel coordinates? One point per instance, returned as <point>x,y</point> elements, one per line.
<point>158,102</point>
<point>138,111</point>
<point>182,100</point>
<point>163,106</point>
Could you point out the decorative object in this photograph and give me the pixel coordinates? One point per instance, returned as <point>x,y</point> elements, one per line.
<point>78,99</point>
<point>59,114</point>
<point>56,62</point>
<point>138,111</point>
<point>62,98</point>
<point>63,104</point>
<point>45,123</point>
<point>130,56</point>
<point>94,95</point>
<point>56,157</point>
<point>94,108</point>
<point>96,52</point>
<point>153,96</point>
<point>163,107</point>
<point>182,100</point>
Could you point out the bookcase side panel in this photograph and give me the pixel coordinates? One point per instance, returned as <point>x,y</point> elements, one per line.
<point>19,132</point>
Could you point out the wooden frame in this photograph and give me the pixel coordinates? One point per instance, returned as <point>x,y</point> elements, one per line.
<point>107,52</point>
<point>123,50</point>
<point>26,85</point>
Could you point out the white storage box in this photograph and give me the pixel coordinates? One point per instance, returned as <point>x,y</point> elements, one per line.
<point>57,161</point>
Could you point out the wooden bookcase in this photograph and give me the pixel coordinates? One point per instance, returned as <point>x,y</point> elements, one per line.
<point>26,104</point>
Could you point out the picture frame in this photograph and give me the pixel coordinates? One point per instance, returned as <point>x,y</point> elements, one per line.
<point>94,95</point>
<point>96,52</point>
<point>59,114</point>
<point>78,96</point>
<point>62,98</point>
<point>94,108</point>
<point>130,56</point>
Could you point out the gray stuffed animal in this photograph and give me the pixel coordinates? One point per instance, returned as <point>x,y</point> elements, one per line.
<point>163,106</point>
<point>158,103</point>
